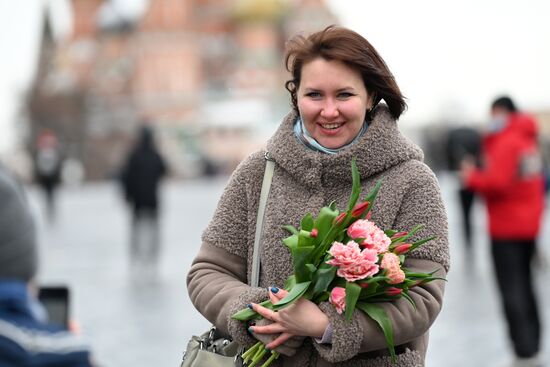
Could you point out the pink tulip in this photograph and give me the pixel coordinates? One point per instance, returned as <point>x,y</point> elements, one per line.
<point>394,291</point>
<point>338,299</point>
<point>399,234</point>
<point>391,263</point>
<point>353,264</point>
<point>401,249</point>
<point>373,237</point>
<point>314,233</point>
<point>396,276</point>
<point>359,209</point>
<point>340,218</point>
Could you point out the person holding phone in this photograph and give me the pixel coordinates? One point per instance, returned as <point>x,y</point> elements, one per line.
<point>26,337</point>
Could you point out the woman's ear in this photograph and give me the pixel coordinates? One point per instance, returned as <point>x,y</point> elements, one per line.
<point>371,100</point>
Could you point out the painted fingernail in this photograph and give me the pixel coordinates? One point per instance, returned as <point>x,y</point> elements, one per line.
<point>267,349</point>
<point>249,305</point>
<point>274,289</point>
<point>251,330</point>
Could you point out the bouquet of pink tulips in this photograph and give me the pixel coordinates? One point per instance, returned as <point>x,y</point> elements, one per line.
<point>343,257</point>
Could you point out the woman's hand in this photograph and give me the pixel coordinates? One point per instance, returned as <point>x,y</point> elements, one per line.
<point>303,318</point>
<point>288,348</point>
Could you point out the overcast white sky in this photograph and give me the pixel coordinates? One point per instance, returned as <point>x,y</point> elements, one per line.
<point>453,57</point>
<point>450,58</point>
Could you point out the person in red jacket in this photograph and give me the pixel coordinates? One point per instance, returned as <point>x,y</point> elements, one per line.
<point>512,184</point>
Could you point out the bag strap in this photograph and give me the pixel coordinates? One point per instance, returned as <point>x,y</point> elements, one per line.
<point>264,194</point>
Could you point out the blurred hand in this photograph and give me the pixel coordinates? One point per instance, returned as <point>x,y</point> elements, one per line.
<point>303,319</point>
<point>467,166</point>
<point>74,327</point>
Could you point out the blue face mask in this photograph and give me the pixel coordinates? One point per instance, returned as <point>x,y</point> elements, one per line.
<point>496,124</point>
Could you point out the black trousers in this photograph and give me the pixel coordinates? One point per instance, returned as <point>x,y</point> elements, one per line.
<point>466,202</point>
<point>512,261</point>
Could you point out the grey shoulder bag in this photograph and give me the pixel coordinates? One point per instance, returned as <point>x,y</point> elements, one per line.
<point>211,349</point>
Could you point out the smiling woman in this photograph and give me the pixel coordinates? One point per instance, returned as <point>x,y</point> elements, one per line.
<point>345,106</point>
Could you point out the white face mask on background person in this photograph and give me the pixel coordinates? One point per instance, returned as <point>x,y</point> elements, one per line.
<point>497,123</point>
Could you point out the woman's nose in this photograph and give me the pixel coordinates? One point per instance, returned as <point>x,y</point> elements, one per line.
<point>330,109</point>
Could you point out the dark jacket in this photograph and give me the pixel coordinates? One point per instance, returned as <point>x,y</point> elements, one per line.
<point>26,342</point>
<point>304,181</point>
<point>142,173</point>
<point>462,142</point>
<point>512,181</point>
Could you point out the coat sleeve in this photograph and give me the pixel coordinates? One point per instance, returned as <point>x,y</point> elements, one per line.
<point>217,280</point>
<point>422,204</point>
<point>217,287</point>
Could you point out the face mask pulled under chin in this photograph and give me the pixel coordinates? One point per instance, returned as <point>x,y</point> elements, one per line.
<point>496,124</point>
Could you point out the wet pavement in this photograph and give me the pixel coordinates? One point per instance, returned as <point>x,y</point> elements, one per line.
<point>142,322</point>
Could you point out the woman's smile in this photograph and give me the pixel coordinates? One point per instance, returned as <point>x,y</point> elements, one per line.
<point>331,128</point>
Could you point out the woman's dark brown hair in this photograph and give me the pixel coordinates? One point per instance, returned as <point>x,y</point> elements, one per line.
<point>347,46</point>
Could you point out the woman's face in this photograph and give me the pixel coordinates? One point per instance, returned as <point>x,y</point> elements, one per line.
<point>332,101</point>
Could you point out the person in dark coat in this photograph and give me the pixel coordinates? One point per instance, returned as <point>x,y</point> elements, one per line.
<point>464,143</point>
<point>141,177</point>
<point>26,337</point>
<point>47,167</point>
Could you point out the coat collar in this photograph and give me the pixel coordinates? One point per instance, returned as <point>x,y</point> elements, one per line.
<point>381,147</point>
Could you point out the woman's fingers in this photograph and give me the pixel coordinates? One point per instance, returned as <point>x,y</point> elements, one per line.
<point>281,339</point>
<point>276,294</point>
<point>273,328</point>
<point>265,312</point>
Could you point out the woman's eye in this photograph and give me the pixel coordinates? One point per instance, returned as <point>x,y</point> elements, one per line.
<point>313,94</point>
<point>345,95</point>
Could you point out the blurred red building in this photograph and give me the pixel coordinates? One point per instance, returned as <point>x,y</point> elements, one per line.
<point>207,73</point>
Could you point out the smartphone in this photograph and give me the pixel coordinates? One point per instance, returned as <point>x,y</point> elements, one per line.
<point>56,301</point>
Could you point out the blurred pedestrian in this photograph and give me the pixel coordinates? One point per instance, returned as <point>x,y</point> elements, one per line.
<point>464,143</point>
<point>26,338</point>
<point>512,185</point>
<point>140,177</point>
<point>48,162</point>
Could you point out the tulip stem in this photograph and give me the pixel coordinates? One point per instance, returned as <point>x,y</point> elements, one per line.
<point>274,356</point>
<point>251,352</point>
<point>258,357</point>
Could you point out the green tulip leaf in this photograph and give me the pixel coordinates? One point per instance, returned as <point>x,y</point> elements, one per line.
<point>307,222</point>
<point>353,290</point>
<point>296,292</point>
<point>379,315</point>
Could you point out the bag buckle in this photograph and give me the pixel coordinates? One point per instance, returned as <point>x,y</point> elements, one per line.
<point>211,334</point>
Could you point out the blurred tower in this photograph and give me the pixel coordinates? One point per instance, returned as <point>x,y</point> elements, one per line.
<point>85,18</point>
<point>168,74</point>
<point>55,102</point>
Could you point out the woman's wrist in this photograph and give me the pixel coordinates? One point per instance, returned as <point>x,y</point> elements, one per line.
<point>320,326</point>
<point>327,336</point>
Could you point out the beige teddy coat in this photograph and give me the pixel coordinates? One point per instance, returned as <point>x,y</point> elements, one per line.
<point>304,181</point>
